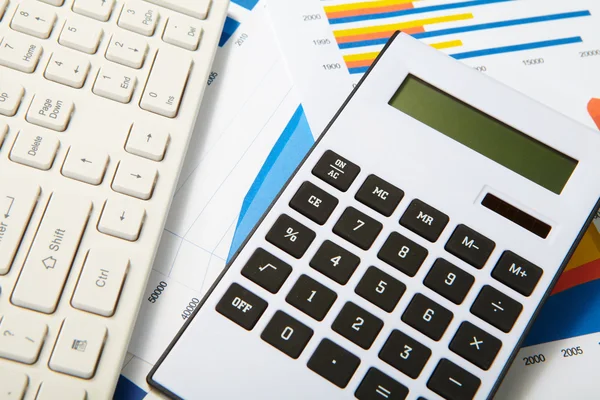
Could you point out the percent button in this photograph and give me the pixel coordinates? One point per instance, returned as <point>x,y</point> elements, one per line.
<point>290,236</point>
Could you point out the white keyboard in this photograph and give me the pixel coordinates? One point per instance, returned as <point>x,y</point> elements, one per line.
<point>98,99</point>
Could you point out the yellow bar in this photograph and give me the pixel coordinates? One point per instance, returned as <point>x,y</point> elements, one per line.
<point>365,4</point>
<point>402,25</point>
<point>447,45</point>
<point>361,57</point>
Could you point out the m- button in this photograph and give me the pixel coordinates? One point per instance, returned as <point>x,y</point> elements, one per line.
<point>517,273</point>
<point>241,306</point>
<point>313,203</point>
<point>470,246</point>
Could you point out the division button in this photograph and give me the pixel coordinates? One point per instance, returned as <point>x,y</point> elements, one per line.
<point>452,382</point>
<point>310,297</point>
<point>496,308</point>
<point>427,316</point>
<point>290,236</point>
<point>380,195</point>
<point>378,386</point>
<point>405,354</point>
<point>336,170</point>
<point>287,334</point>
<point>241,306</point>
<point>357,228</point>
<point>475,345</point>
<point>333,363</point>
<point>424,220</point>
<point>517,273</point>
<point>380,289</point>
<point>449,281</point>
<point>314,203</point>
<point>335,262</point>
<point>403,254</point>
<point>357,325</point>
<point>470,246</point>
<point>266,270</point>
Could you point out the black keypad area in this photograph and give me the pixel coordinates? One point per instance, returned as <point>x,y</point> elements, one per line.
<point>373,280</point>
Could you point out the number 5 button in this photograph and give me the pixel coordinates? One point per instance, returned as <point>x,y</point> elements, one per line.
<point>380,289</point>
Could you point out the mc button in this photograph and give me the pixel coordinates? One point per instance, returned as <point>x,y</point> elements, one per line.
<point>241,306</point>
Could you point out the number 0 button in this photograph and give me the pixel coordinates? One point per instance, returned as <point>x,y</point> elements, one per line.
<point>287,334</point>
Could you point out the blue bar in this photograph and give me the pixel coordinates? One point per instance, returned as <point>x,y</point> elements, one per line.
<point>228,29</point>
<point>410,11</point>
<point>518,47</point>
<point>358,70</point>
<point>472,28</point>
<point>127,390</point>
<point>247,4</point>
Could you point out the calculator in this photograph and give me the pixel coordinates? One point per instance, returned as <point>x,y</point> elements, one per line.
<point>410,252</point>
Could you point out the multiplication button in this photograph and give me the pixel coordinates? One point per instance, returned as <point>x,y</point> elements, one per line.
<point>241,306</point>
<point>517,273</point>
<point>470,246</point>
<point>290,236</point>
<point>424,220</point>
<point>378,386</point>
<point>475,345</point>
<point>336,170</point>
<point>314,203</point>
<point>266,270</point>
<point>380,195</point>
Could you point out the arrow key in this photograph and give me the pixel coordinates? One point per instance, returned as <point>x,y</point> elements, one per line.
<point>85,165</point>
<point>71,70</point>
<point>135,178</point>
<point>147,141</point>
<point>127,50</point>
<point>122,218</point>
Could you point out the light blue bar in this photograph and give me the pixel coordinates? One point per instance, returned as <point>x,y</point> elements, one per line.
<point>518,47</point>
<point>247,4</point>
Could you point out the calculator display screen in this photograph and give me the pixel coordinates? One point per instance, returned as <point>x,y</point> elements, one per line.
<point>484,134</point>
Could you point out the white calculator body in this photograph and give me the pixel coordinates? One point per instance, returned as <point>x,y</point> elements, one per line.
<point>410,252</point>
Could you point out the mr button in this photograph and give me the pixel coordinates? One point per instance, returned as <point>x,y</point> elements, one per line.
<point>241,306</point>
<point>336,170</point>
<point>424,220</point>
<point>517,273</point>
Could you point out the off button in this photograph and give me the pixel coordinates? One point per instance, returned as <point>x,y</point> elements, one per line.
<point>241,306</point>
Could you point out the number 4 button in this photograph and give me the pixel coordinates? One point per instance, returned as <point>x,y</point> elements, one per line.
<point>335,262</point>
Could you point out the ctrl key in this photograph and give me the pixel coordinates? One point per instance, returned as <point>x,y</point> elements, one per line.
<point>241,306</point>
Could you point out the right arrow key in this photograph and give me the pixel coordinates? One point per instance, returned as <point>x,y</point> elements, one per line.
<point>135,178</point>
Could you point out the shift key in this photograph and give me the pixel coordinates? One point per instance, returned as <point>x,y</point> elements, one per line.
<point>49,261</point>
<point>16,205</point>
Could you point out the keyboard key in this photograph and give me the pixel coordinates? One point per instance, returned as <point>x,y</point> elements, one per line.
<point>336,170</point>
<point>52,391</point>
<point>183,32</point>
<point>17,202</point>
<point>49,260</point>
<point>380,289</point>
<point>78,347</point>
<point>22,338</point>
<point>333,363</point>
<point>475,345</point>
<point>100,282</point>
<point>35,150</point>
<point>13,384</point>
<point>3,5</point>
<point>147,141</point>
<point>452,382</point>
<point>86,165</point>
<point>96,9</point>
<point>379,195</point>
<point>115,83</point>
<point>449,281</point>
<point>128,50</point>
<point>424,220</point>
<point>50,111</point>
<point>122,218</point>
<point>139,17</point>
<point>357,325</point>
<point>287,334</point>
<point>377,386</point>
<point>290,236</point>
<point>166,83</point>
<point>310,297</point>
<point>135,178</point>
<point>80,35</point>
<point>68,69</point>
<point>405,354</point>
<point>266,270</point>
<point>403,254</point>
<point>33,19</point>
<point>496,308</point>
<point>241,306</point>
<point>335,262</point>
<point>517,273</point>
<point>470,246</point>
<point>3,131</point>
<point>197,8</point>
<point>314,203</point>
<point>427,316</point>
<point>11,95</point>
<point>357,228</point>
<point>20,53</point>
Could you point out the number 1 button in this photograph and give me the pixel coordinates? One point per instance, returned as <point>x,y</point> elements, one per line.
<point>310,297</point>
<point>290,236</point>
